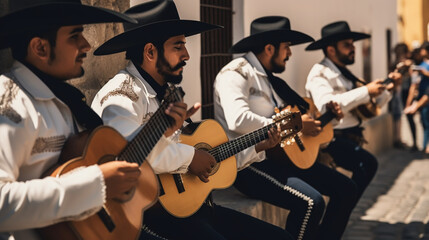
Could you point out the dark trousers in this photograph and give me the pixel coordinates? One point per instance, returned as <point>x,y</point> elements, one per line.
<point>300,191</point>
<point>217,223</point>
<point>349,155</point>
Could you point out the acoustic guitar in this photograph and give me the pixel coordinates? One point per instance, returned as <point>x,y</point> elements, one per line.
<point>371,109</point>
<point>119,218</point>
<point>303,149</point>
<point>183,194</point>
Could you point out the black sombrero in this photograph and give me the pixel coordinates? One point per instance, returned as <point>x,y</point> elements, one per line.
<point>334,32</point>
<point>156,20</point>
<point>267,28</point>
<point>27,15</point>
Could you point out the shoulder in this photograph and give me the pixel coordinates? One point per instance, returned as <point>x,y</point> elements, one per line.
<point>15,104</point>
<point>319,70</point>
<point>237,66</point>
<point>122,84</point>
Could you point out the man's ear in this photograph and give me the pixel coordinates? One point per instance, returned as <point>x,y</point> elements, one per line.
<point>39,48</point>
<point>330,50</point>
<point>150,52</point>
<point>269,50</point>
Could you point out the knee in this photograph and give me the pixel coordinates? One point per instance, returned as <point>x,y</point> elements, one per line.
<point>317,203</point>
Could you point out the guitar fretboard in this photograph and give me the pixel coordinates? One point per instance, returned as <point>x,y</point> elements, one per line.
<point>237,145</point>
<point>142,144</point>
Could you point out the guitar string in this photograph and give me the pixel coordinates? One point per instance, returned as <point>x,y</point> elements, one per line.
<point>228,149</point>
<point>142,144</point>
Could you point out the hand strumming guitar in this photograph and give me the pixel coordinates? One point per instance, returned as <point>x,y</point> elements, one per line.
<point>310,126</point>
<point>272,140</point>
<point>397,80</point>
<point>119,177</point>
<point>202,164</point>
<point>178,112</point>
<point>375,87</point>
<point>336,109</point>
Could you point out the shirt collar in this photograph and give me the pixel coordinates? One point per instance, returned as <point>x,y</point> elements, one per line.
<point>160,90</point>
<point>30,82</point>
<point>132,69</point>
<point>331,65</point>
<point>253,60</point>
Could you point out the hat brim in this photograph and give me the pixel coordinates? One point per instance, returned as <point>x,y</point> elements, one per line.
<point>153,31</point>
<point>321,43</point>
<point>54,14</point>
<point>248,43</point>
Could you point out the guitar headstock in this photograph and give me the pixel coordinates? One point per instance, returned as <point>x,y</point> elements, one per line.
<point>173,94</point>
<point>290,124</point>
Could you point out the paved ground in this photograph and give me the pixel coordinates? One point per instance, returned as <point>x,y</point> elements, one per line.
<point>396,204</point>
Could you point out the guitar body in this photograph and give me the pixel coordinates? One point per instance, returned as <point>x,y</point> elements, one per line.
<point>102,145</point>
<point>307,157</point>
<point>368,110</point>
<point>206,135</point>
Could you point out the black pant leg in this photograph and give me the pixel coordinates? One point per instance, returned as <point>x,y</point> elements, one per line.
<point>238,226</point>
<point>211,223</point>
<point>342,192</point>
<point>352,157</point>
<point>270,181</point>
<point>198,226</point>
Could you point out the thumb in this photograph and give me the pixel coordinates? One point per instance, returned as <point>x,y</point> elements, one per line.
<point>193,110</point>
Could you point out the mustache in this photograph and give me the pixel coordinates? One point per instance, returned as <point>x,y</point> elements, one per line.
<point>178,66</point>
<point>81,56</point>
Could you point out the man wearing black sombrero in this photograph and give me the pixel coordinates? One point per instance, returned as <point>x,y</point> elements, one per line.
<point>39,111</point>
<point>246,94</point>
<point>330,80</point>
<point>156,48</point>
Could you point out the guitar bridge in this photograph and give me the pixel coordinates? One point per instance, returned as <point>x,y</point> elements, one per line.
<point>299,143</point>
<point>106,219</point>
<point>179,183</point>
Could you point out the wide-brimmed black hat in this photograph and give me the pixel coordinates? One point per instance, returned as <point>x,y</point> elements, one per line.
<point>28,15</point>
<point>334,32</point>
<point>156,20</point>
<point>264,29</point>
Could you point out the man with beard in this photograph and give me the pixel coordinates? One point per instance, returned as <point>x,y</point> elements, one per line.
<point>39,111</point>
<point>246,93</point>
<point>330,80</point>
<point>157,53</point>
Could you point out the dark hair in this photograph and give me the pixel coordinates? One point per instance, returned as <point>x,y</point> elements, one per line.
<point>19,43</point>
<point>135,54</point>
<point>330,44</point>
<point>260,47</point>
<point>425,45</point>
<point>401,49</point>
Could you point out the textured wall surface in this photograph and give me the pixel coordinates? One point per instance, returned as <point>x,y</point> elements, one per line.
<point>98,70</point>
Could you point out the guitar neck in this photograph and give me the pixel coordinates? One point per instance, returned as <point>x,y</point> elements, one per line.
<point>237,145</point>
<point>142,144</point>
<point>326,118</point>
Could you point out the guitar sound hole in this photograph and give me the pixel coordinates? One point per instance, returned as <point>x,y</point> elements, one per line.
<point>205,147</point>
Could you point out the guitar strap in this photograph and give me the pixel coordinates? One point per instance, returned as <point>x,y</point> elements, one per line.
<point>349,75</point>
<point>286,93</point>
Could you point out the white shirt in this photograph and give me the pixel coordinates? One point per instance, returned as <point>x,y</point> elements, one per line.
<point>325,83</point>
<point>126,102</point>
<point>34,125</point>
<point>243,102</point>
